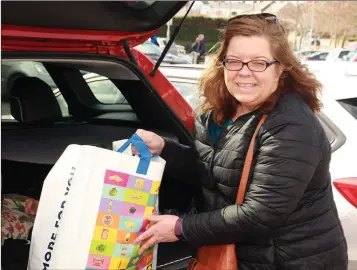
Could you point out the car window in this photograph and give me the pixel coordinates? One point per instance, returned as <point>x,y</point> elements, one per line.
<point>308,53</point>
<point>350,105</point>
<point>318,56</point>
<point>104,89</point>
<point>148,48</point>
<point>314,57</point>
<point>189,91</point>
<point>351,55</point>
<point>322,56</point>
<point>343,53</point>
<point>12,70</point>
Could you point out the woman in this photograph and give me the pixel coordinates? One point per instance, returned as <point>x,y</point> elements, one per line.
<point>288,219</point>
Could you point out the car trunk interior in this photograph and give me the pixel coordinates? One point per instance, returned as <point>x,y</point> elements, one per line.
<point>29,150</point>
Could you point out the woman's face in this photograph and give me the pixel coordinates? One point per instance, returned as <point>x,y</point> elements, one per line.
<point>248,87</point>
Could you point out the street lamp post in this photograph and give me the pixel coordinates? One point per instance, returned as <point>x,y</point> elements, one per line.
<point>312,23</point>
<point>168,24</point>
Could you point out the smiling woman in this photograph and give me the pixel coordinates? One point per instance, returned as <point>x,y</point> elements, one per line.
<point>261,157</point>
<point>256,82</point>
<point>246,39</point>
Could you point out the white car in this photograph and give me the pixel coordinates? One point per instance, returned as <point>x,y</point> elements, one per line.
<point>340,81</point>
<point>174,49</point>
<point>319,60</point>
<point>341,129</point>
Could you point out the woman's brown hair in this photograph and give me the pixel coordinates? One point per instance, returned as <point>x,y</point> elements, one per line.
<point>295,78</point>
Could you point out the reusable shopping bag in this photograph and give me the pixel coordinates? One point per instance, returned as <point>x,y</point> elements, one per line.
<point>93,205</point>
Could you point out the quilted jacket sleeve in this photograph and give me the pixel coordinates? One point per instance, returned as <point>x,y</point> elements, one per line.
<point>288,155</point>
<point>183,161</point>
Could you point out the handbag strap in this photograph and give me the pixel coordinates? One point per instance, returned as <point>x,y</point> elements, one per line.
<point>248,164</point>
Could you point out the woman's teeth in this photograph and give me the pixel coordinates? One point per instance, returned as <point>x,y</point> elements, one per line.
<point>246,84</point>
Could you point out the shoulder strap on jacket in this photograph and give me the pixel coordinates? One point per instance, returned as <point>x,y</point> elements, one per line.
<point>248,164</point>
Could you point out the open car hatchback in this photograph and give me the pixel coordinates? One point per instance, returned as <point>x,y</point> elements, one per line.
<point>70,75</point>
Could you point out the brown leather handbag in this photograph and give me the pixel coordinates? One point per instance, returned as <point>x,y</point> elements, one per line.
<point>223,257</point>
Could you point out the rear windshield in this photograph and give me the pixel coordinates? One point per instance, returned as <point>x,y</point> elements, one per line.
<point>138,5</point>
<point>13,70</point>
<point>148,48</point>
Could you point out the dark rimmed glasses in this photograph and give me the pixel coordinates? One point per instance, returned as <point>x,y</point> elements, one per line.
<point>253,65</point>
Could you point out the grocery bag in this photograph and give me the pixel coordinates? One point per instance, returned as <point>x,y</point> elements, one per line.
<point>105,210</point>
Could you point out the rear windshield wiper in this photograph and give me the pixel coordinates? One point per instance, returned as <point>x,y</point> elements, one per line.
<point>169,43</point>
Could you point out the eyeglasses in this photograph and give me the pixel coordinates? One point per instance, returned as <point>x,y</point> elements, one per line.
<point>254,65</point>
<point>266,16</point>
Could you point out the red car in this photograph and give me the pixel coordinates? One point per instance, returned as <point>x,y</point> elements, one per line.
<point>69,39</point>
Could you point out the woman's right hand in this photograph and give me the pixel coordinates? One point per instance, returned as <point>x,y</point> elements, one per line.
<point>154,142</point>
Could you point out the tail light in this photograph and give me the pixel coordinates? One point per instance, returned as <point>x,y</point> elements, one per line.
<point>348,188</point>
<point>355,60</point>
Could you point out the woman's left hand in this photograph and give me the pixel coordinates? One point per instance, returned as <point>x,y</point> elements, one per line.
<point>162,230</point>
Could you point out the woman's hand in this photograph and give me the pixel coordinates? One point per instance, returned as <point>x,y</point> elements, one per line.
<point>154,142</point>
<point>162,230</point>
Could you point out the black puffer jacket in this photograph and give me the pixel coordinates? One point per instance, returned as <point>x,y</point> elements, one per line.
<point>288,219</point>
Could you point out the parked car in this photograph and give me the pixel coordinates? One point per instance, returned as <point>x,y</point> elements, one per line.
<point>331,55</point>
<point>32,142</point>
<point>351,56</point>
<point>316,56</point>
<point>340,124</point>
<point>302,53</point>
<point>321,60</point>
<point>341,86</point>
<point>344,79</point>
<point>337,54</point>
<point>153,52</point>
<point>175,49</point>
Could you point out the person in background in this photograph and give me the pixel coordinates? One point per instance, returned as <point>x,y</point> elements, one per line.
<point>199,47</point>
<point>288,219</point>
<point>154,40</point>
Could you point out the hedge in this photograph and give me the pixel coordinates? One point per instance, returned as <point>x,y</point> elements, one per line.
<point>193,26</point>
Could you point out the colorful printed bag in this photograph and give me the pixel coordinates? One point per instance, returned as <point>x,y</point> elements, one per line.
<point>17,216</point>
<point>109,197</point>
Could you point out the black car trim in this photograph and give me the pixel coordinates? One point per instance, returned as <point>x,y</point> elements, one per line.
<point>89,15</point>
<point>339,138</point>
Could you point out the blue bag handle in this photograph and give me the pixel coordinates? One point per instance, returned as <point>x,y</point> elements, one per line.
<point>145,155</point>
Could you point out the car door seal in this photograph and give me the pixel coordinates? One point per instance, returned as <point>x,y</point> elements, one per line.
<point>169,43</point>
<point>128,52</point>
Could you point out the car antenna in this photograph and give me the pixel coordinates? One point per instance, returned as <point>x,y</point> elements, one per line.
<point>169,43</point>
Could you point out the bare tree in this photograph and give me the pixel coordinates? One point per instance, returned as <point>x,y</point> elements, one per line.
<point>300,15</point>
<point>337,19</point>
